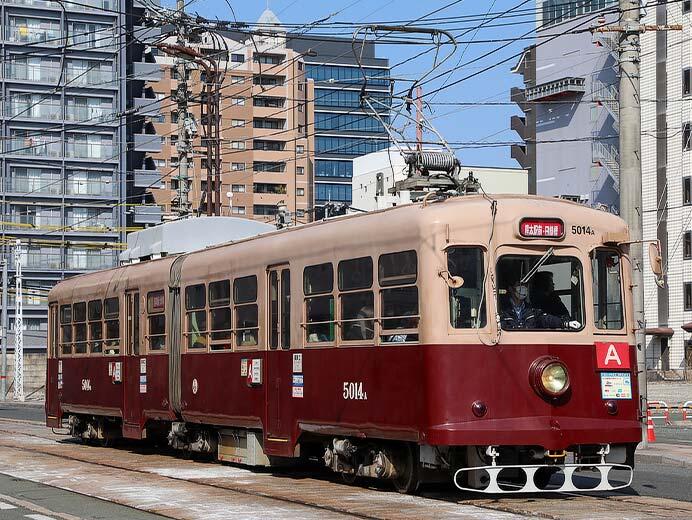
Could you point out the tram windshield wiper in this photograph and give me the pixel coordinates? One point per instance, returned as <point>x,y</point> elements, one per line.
<point>550,252</point>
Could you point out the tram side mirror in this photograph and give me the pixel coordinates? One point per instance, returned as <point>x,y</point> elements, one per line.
<point>655,260</point>
<point>454,282</point>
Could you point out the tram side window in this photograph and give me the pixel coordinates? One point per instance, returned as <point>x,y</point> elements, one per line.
<point>195,305</point>
<point>245,309</point>
<point>607,290</point>
<point>397,274</point>
<point>318,284</point>
<point>80,328</point>
<point>65,330</point>
<point>111,313</point>
<point>95,316</point>
<point>357,305</point>
<point>156,321</point>
<point>467,303</point>
<point>220,323</point>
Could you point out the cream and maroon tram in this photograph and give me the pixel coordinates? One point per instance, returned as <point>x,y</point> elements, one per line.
<point>404,344</point>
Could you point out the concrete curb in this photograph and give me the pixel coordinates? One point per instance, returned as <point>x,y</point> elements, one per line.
<point>650,458</point>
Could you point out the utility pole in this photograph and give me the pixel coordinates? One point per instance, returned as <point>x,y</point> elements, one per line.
<point>3,331</point>
<point>184,144</point>
<point>631,169</point>
<point>419,118</point>
<point>631,175</point>
<point>18,325</point>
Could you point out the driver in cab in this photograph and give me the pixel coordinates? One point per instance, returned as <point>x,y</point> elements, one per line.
<point>518,313</point>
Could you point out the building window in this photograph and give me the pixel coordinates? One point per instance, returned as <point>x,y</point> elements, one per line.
<point>300,170</point>
<point>238,188</point>
<point>174,117</point>
<point>268,81</point>
<point>237,166</point>
<point>300,192</point>
<point>238,58</point>
<point>237,123</point>
<point>238,145</point>
<point>300,213</point>
<point>687,246</point>
<point>686,134</point>
<point>268,102</point>
<point>238,101</point>
<point>300,149</point>
<point>687,190</point>
<point>238,210</point>
<point>334,169</point>
<point>687,80</point>
<point>348,145</point>
<point>686,6</point>
<point>300,107</point>
<point>333,192</point>
<point>688,296</point>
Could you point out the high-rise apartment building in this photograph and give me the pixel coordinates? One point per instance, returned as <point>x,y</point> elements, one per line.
<point>570,106</point>
<point>666,93</point>
<point>343,129</point>
<point>64,167</point>
<point>266,147</point>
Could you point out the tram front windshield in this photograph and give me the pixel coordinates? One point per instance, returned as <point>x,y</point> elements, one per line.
<point>540,292</point>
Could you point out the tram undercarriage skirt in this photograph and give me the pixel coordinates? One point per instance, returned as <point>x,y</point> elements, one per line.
<point>497,480</point>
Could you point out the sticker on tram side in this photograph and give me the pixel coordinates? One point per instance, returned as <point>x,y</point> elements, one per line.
<point>297,363</point>
<point>243,368</point>
<point>297,388</point>
<point>143,366</point>
<point>143,384</point>
<point>616,385</point>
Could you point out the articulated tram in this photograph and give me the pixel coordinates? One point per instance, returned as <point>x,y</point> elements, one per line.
<point>485,340</point>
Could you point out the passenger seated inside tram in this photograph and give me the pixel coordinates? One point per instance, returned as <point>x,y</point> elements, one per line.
<point>544,297</point>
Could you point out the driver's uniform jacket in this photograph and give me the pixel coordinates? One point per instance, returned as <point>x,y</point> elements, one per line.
<point>527,317</point>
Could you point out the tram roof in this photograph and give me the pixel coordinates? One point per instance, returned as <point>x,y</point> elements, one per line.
<point>398,216</point>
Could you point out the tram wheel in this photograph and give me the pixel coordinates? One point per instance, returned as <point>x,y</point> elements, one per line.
<point>408,478</point>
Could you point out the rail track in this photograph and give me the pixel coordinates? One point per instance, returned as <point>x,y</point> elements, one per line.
<point>70,465</point>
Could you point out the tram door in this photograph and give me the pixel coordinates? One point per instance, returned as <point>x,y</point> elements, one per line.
<point>279,360</point>
<point>131,369</point>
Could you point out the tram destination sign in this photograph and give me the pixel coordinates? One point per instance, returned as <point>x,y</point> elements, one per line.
<point>541,228</point>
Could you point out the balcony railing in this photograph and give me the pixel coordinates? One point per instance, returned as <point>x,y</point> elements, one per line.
<point>89,114</point>
<point>35,146</point>
<point>52,37</point>
<point>90,223</point>
<point>28,223</point>
<point>54,186</point>
<point>39,260</point>
<point>89,151</point>
<point>24,72</point>
<point>86,187</point>
<point>79,262</point>
<point>78,5</point>
<point>38,110</point>
<point>90,78</point>
<point>34,185</point>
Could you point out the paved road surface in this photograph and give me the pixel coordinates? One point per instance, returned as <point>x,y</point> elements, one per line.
<point>24,500</point>
<point>651,480</point>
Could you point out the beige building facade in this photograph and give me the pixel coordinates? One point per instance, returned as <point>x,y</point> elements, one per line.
<point>266,148</point>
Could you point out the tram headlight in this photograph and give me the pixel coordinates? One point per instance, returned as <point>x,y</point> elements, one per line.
<point>549,377</point>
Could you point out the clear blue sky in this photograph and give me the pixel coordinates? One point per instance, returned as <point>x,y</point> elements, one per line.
<point>456,123</point>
